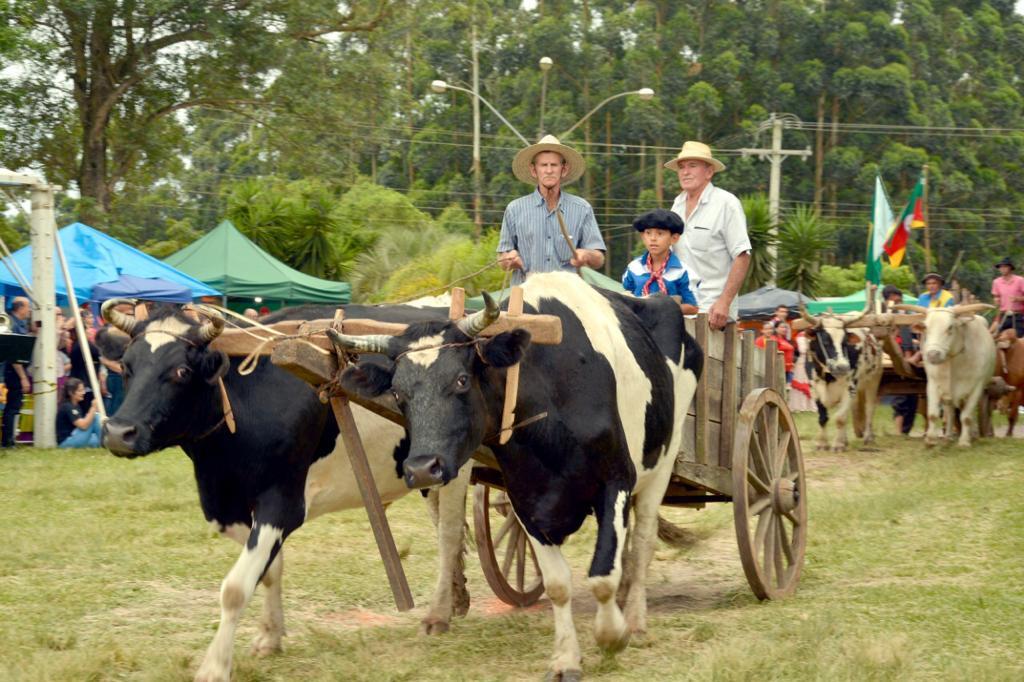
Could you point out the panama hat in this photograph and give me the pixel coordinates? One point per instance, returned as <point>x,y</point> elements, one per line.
<point>935,276</point>
<point>698,151</point>
<point>1006,261</point>
<point>548,143</point>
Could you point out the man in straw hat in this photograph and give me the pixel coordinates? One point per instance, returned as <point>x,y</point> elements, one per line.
<point>715,248</point>
<point>1008,294</point>
<point>536,229</point>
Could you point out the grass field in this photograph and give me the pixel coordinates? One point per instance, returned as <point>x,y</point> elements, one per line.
<point>915,570</point>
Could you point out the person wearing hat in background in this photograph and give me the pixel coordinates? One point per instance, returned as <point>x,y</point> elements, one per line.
<point>535,227</point>
<point>1008,294</point>
<point>935,296</point>
<point>904,407</point>
<point>715,248</point>
<point>659,270</point>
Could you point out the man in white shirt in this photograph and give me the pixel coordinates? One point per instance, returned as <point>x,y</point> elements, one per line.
<point>715,248</point>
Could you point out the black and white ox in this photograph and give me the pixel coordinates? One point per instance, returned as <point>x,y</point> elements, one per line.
<point>283,466</point>
<point>615,392</point>
<point>847,362</point>
<point>959,360</point>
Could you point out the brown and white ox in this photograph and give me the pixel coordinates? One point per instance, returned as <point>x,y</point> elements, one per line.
<point>959,360</point>
<point>1010,368</point>
<point>847,364</point>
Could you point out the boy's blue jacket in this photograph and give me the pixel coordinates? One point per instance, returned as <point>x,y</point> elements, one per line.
<point>677,282</point>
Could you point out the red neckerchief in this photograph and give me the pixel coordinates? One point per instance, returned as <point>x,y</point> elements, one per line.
<point>656,276</point>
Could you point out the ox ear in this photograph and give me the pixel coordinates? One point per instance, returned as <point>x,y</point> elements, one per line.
<point>214,366</point>
<point>505,349</point>
<point>366,379</point>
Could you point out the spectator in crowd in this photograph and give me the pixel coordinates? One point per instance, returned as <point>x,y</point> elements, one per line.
<point>114,385</point>
<point>75,428</point>
<point>78,366</point>
<point>769,332</point>
<point>1008,294</point>
<point>935,296</point>
<point>800,398</point>
<point>780,318</point>
<point>16,373</point>
<point>904,407</point>
<point>251,314</point>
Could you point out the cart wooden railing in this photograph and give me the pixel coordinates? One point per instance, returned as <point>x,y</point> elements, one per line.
<point>733,367</point>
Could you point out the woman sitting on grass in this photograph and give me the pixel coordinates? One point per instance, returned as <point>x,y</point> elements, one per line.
<point>74,429</point>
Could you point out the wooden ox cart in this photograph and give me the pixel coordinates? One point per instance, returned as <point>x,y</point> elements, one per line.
<point>740,445</point>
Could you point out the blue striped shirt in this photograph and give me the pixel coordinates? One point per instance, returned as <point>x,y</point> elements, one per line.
<point>532,230</point>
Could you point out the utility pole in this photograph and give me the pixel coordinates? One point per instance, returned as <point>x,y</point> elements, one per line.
<point>44,353</point>
<point>478,221</point>
<point>776,155</point>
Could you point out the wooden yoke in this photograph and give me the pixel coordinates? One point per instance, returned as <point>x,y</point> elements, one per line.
<point>508,413</point>
<point>371,496</point>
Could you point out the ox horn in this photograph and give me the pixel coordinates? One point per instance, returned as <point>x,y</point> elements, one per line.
<point>911,307</point>
<point>125,323</point>
<point>474,324</point>
<point>971,308</point>
<point>211,329</point>
<point>808,318</point>
<point>370,343</point>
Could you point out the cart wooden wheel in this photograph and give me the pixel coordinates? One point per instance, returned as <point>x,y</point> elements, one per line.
<point>515,577</point>
<point>769,495</point>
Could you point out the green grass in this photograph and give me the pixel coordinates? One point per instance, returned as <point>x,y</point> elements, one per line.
<point>914,571</point>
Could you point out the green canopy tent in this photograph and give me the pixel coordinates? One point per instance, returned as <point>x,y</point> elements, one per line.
<point>846,304</point>
<point>228,260</point>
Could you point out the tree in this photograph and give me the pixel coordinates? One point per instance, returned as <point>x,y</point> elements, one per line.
<point>803,238</point>
<point>759,229</point>
<point>104,78</point>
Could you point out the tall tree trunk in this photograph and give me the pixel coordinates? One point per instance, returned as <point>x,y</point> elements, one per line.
<point>819,152</point>
<point>588,179</point>
<point>833,143</point>
<point>409,116</point>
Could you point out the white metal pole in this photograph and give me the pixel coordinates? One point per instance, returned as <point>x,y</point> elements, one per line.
<point>44,357</point>
<point>83,339</point>
<point>774,188</point>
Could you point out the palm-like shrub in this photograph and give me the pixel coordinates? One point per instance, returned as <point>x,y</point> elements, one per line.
<point>802,239</point>
<point>759,229</point>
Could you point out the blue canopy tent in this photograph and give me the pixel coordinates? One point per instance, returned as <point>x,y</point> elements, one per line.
<point>148,288</point>
<point>95,258</point>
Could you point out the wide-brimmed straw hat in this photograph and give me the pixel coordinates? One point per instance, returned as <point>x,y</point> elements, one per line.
<point>698,151</point>
<point>548,143</point>
<point>1006,261</point>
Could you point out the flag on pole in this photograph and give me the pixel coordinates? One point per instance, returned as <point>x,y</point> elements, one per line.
<point>881,222</point>
<point>912,217</point>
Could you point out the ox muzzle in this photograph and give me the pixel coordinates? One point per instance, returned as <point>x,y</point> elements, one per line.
<point>121,438</point>
<point>425,471</point>
<point>838,368</point>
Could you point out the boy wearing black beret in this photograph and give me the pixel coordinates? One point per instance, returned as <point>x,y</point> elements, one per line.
<point>658,270</point>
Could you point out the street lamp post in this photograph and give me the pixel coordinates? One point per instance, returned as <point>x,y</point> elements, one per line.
<point>642,93</point>
<point>545,65</point>
<point>441,86</point>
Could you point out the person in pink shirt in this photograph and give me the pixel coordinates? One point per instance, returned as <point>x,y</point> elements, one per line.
<point>1008,293</point>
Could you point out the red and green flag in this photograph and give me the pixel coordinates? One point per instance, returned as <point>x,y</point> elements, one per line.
<point>912,217</point>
